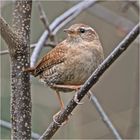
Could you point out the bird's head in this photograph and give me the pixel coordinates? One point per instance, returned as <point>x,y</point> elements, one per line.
<point>81,32</point>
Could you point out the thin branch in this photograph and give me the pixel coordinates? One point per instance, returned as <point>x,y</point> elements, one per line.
<point>134,114</point>
<point>123,45</point>
<point>111,18</point>
<point>135,5</point>
<point>104,116</point>
<point>44,20</point>
<point>32,46</point>
<point>58,23</point>
<point>4,52</point>
<point>9,35</point>
<point>8,125</point>
<point>50,44</point>
<point>130,3</point>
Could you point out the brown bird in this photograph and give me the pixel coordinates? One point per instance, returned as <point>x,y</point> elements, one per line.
<point>66,67</point>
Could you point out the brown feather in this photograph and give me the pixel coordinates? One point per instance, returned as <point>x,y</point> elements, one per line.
<point>29,70</point>
<point>54,57</point>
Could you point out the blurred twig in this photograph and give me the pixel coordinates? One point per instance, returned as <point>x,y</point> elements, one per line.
<point>123,45</point>
<point>44,20</point>
<point>47,44</point>
<point>7,125</point>
<point>112,18</point>
<point>134,113</point>
<point>104,116</point>
<point>4,52</point>
<point>58,23</point>
<point>129,4</point>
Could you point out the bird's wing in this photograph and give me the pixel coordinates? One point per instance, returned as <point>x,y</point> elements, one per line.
<point>54,57</point>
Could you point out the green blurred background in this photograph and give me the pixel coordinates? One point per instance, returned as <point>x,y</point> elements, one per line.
<point>117,90</point>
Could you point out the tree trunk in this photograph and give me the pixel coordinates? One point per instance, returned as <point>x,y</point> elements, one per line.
<point>20,81</point>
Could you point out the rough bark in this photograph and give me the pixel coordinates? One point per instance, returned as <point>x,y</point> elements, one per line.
<point>20,82</point>
<point>18,41</point>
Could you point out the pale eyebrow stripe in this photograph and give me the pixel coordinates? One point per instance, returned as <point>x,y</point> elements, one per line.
<point>89,28</point>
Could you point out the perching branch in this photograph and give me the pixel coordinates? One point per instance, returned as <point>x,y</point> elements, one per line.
<point>123,45</point>
<point>58,23</point>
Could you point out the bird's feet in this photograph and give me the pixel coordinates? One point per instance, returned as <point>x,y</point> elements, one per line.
<point>89,95</point>
<point>74,87</point>
<point>60,124</point>
<point>54,119</point>
<point>77,101</point>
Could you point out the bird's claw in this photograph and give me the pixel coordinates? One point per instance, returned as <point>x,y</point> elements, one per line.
<point>77,101</point>
<point>54,119</point>
<point>59,124</point>
<point>89,95</point>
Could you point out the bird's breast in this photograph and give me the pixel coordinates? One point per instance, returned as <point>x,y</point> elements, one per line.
<point>75,70</point>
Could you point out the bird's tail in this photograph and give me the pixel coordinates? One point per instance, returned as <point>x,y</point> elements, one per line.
<point>29,70</point>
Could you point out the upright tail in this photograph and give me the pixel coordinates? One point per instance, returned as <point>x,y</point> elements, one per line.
<point>29,70</point>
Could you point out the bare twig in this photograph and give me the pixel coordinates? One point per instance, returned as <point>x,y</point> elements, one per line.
<point>112,18</point>
<point>59,23</point>
<point>123,45</point>
<point>4,52</point>
<point>44,20</point>
<point>48,44</point>
<point>130,3</point>
<point>134,114</point>
<point>8,125</point>
<point>104,116</point>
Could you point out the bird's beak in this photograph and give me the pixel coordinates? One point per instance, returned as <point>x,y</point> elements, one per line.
<point>69,31</point>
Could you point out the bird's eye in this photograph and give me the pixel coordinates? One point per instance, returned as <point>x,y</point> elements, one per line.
<point>82,30</point>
